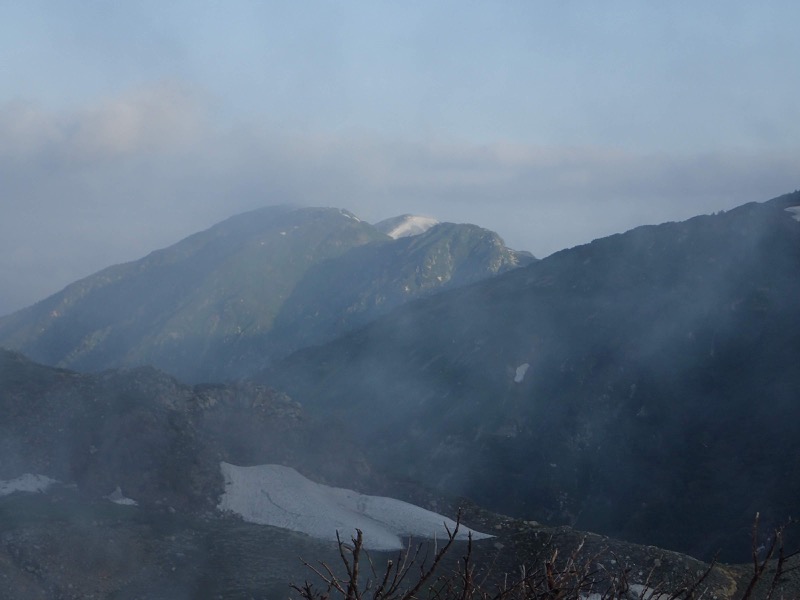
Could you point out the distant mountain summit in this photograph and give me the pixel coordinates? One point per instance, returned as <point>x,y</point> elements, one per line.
<point>250,289</point>
<point>349,291</point>
<point>405,225</point>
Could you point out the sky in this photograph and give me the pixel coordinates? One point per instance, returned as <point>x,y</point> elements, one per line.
<point>126,126</point>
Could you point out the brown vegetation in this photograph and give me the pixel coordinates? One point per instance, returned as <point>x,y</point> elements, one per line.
<point>416,574</point>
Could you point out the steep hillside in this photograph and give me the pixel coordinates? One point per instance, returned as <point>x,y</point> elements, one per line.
<point>368,281</point>
<point>177,305</point>
<point>205,308</point>
<point>160,441</point>
<point>645,385</point>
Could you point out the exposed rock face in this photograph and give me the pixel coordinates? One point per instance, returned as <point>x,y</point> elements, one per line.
<point>345,293</point>
<point>159,441</point>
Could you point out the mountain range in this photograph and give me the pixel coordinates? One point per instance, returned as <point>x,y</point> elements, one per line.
<point>643,386</point>
<point>225,301</point>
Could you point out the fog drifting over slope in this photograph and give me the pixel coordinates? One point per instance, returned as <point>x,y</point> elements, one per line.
<point>125,129</point>
<point>86,189</point>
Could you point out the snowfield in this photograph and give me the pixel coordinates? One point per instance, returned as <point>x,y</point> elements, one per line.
<point>26,483</point>
<point>795,211</point>
<point>412,225</point>
<point>635,592</point>
<point>280,496</point>
<point>519,375</point>
<point>117,497</point>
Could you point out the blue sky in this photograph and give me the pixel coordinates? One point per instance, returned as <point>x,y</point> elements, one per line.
<point>125,126</point>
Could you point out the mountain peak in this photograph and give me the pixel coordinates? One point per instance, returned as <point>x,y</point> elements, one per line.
<point>406,225</point>
<point>250,289</point>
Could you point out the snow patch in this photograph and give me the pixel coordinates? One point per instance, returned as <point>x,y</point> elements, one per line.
<point>795,211</point>
<point>280,496</point>
<point>635,591</point>
<point>520,374</point>
<point>406,226</point>
<point>118,498</point>
<point>26,483</point>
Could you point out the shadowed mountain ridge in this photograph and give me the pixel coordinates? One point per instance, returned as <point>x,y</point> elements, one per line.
<point>643,386</point>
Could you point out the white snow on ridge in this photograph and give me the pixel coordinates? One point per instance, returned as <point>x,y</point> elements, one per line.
<point>26,483</point>
<point>117,497</point>
<point>520,374</point>
<point>280,496</point>
<point>795,210</point>
<point>636,591</point>
<point>349,215</point>
<point>406,226</point>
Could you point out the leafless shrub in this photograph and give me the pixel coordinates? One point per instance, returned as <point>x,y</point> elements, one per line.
<point>766,552</point>
<point>391,585</point>
<point>418,575</point>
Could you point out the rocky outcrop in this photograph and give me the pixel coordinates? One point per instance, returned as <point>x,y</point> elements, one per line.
<point>159,441</point>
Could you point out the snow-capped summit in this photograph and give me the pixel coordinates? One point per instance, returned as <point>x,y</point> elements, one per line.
<point>405,225</point>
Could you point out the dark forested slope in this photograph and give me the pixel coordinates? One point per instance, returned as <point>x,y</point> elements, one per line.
<point>646,385</point>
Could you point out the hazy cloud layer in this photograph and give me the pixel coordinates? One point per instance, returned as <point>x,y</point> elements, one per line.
<point>83,189</point>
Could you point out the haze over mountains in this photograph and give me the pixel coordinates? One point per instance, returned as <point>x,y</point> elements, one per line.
<point>139,465</point>
<point>643,386</point>
<point>226,301</point>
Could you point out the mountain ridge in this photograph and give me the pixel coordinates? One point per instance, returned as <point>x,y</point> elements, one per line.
<point>204,308</point>
<point>628,367</point>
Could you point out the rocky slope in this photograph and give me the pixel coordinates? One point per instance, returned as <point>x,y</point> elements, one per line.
<point>160,442</point>
<point>345,293</point>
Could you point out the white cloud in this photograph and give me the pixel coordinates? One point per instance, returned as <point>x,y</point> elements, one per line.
<point>162,117</point>
<point>112,181</point>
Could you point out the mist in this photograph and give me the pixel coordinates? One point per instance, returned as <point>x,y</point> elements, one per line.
<point>197,311</point>
<point>125,129</point>
<point>87,189</point>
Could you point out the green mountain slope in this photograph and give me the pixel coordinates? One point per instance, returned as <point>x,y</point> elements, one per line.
<point>205,308</point>
<point>368,281</point>
<point>645,385</point>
